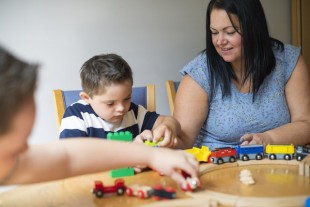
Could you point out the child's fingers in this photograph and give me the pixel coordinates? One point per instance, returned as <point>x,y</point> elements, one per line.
<point>137,169</point>
<point>139,139</point>
<point>147,135</point>
<point>178,177</point>
<point>193,167</point>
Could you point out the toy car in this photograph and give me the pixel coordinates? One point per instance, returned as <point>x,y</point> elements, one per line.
<point>141,191</point>
<point>302,152</point>
<point>160,193</point>
<point>223,154</point>
<point>99,189</point>
<point>202,154</point>
<point>191,183</point>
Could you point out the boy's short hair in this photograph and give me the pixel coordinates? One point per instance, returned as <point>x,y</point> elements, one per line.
<point>103,70</point>
<point>17,85</point>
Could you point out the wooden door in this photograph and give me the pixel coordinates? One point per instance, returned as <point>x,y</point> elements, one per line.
<point>301,27</point>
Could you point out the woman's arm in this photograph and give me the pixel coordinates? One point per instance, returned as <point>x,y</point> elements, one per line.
<point>297,132</point>
<point>191,110</point>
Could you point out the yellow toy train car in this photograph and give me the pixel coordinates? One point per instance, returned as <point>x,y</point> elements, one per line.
<point>285,152</point>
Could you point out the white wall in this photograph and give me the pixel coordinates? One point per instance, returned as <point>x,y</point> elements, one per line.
<point>156,37</point>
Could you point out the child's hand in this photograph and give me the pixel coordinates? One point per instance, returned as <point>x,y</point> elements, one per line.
<point>145,135</point>
<point>139,168</point>
<point>172,162</point>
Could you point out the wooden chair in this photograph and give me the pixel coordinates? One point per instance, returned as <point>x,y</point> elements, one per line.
<point>171,88</point>
<point>144,96</point>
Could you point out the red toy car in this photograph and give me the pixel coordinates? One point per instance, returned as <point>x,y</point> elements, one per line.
<point>99,189</point>
<point>192,184</point>
<point>141,191</point>
<point>160,193</point>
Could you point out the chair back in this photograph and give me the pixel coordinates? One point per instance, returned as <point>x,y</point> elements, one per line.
<point>144,96</point>
<point>171,88</point>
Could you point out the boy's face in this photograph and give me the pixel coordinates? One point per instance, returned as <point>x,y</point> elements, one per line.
<point>114,103</point>
<point>14,142</point>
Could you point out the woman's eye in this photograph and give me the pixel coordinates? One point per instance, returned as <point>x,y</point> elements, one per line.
<point>231,33</point>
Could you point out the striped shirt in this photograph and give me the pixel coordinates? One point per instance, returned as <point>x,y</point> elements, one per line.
<point>80,120</point>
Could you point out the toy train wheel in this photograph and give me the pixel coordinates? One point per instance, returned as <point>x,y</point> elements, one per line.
<point>120,191</point>
<point>129,191</point>
<point>232,159</point>
<point>299,158</point>
<point>259,157</point>
<point>141,194</point>
<point>245,158</point>
<point>287,157</point>
<point>272,157</point>
<point>220,161</point>
<point>99,194</point>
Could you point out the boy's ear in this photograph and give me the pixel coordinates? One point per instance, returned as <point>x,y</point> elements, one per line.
<point>85,97</point>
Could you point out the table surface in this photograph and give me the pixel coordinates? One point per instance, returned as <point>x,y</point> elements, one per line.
<point>275,183</point>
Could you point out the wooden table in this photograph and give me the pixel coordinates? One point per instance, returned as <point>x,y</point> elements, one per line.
<point>277,184</point>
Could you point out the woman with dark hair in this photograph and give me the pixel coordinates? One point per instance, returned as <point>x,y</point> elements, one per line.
<point>245,87</point>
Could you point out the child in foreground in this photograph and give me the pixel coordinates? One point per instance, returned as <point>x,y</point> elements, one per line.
<point>21,164</point>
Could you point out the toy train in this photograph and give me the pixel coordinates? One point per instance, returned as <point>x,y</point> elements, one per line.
<point>249,152</point>
<point>142,191</point>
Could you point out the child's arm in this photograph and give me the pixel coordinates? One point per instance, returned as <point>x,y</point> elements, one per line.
<point>74,157</point>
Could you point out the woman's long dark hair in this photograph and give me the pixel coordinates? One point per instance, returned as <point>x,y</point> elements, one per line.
<point>257,46</point>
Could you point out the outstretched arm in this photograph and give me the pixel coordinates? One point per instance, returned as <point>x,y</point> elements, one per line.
<point>78,156</point>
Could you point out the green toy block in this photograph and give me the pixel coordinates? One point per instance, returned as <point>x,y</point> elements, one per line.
<point>122,172</point>
<point>120,136</point>
<point>126,137</point>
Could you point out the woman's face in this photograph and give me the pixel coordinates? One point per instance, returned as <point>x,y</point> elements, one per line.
<point>226,40</point>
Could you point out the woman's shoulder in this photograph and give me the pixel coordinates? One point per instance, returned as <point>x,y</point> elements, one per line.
<point>198,62</point>
<point>288,53</point>
<point>198,70</point>
<point>286,59</point>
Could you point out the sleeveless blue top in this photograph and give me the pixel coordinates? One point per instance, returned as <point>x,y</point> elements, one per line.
<point>231,117</point>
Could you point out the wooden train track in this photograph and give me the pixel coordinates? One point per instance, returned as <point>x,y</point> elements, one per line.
<point>211,174</point>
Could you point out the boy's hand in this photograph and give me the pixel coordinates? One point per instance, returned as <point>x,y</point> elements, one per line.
<point>145,135</point>
<point>172,162</point>
<point>161,135</point>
